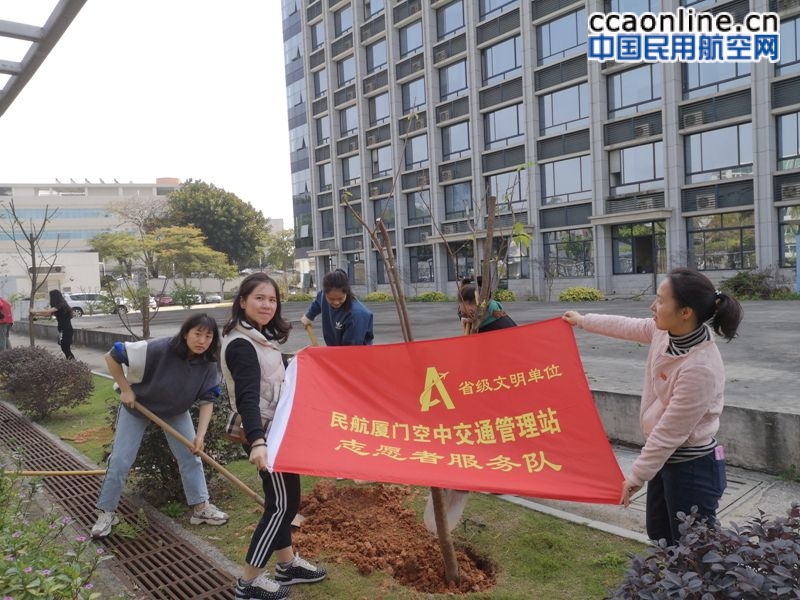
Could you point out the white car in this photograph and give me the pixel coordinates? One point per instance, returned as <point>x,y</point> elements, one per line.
<point>213,298</point>
<point>83,303</point>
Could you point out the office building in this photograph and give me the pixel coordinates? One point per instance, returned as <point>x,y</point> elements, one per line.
<point>418,111</point>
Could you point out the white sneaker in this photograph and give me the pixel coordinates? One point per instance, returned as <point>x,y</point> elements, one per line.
<point>209,514</point>
<point>105,521</point>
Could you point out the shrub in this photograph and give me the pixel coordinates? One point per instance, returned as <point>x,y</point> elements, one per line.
<point>39,383</point>
<point>580,294</point>
<point>297,298</point>
<point>504,296</point>
<point>39,558</point>
<point>156,471</point>
<point>186,296</point>
<point>759,284</point>
<point>430,297</point>
<point>760,559</point>
<point>378,297</point>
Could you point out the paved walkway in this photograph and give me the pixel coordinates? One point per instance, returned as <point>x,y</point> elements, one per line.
<point>761,366</point>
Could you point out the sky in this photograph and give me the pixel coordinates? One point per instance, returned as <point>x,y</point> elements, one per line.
<point>141,89</point>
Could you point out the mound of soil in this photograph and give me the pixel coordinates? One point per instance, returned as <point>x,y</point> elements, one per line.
<point>372,527</point>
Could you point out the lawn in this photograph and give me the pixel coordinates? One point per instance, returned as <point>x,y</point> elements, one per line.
<point>538,556</point>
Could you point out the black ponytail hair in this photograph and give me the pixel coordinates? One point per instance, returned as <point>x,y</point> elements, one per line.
<point>693,289</point>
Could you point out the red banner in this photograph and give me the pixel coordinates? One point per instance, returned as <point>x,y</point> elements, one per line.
<point>508,411</point>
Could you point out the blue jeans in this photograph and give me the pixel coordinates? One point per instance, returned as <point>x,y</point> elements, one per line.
<point>130,430</point>
<point>679,486</point>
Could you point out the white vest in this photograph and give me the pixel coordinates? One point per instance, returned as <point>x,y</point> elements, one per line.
<point>270,360</point>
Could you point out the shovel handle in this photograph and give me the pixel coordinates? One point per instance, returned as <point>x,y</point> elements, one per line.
<point>206,458</point>
<point>311,335</point>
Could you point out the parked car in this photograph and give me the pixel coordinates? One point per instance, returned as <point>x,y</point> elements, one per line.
<point>82,303</point>
<point>163,300</point>
<point>213,298</point>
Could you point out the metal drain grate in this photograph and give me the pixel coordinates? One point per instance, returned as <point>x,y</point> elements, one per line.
<point>158,562</point>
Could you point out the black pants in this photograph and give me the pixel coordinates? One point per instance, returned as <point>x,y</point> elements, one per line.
<point>274,530</point>
<point>679,486</point>
<point>65,341</point>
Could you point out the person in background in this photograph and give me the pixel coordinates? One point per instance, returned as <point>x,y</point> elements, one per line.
<point>63,313</point>
<point>166,376</point>
<point>682,398</point>
<point>254,370</point>
<point>6,321</point>
<point>345,320</point>
<point>493,318</point>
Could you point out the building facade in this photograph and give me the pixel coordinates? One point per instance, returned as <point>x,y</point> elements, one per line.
<point>77,212</point>
<point>420,111</point>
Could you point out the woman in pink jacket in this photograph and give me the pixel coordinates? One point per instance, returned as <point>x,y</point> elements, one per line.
<point>682,397</point>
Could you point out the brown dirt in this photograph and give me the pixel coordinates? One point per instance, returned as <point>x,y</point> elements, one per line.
<point>103,434</point>
<point>372,527</point>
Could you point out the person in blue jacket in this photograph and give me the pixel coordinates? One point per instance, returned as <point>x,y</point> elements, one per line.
<point>345,321</point>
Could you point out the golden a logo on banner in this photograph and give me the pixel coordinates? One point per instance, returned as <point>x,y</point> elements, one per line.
<point>504,412</point>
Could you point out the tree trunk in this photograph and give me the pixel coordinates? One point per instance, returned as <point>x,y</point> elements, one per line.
<point>451,574</point>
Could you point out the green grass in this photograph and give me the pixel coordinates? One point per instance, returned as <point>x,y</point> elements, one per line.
<point>540,557</point>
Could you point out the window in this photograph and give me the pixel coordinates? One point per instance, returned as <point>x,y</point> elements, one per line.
<point>381,161</point>
<point>378,108</point>
<point>452,79</point>
<point>512,258</point>
<point>464,266</point>
<point>326,223</point>
<point>417,151</point>
<point>413,94</point>
<point>503,126</point>
<point>568,180</point>
<point>634,90</point>
<point>418,207</point>
<point>788,232</point>
<point>637,168</point>
<point>346,70</point>
<point>325,180</point>
<point>486,7</point>
<point>561,37</point>
<point>564,109</point>
<point>343,20</point>
<point>455,140</point>
<point>320,83</point>
<point>722,241</point>
<point>376,56</point>
<point>502,60</point>
<point>356,272</point>
<point>351,170</point>
<point>420,263</point>
<point>450,18</point>
<point>719,154</point>
<point>568,253</point>
<point>323,127</point>
<point>789,141</point>
<point>410,38</point>
<point>700,79</point>
<point>317,34</point>
<point>633,6</point>
<point>510,190</point>
<point>351,224</point>
<point>790,48</point>
<point>380,269</point>
<point>384,209</point>
<point>457,200</point>
<point>372,8</point>
<point>639,247</point>
<point>348,120</point>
